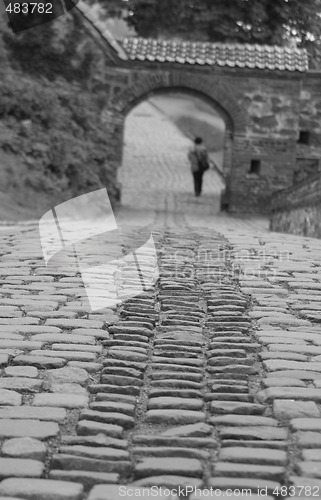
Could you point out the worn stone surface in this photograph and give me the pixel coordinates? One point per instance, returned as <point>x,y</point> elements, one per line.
<point>41,489</point>
<point>210,377</point>
<point>9,398</point>
<point>28,428</point>
<point>24,448</point>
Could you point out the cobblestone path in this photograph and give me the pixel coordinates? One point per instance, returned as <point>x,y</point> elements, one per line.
<point>155,163</point>
<point>211,379</point>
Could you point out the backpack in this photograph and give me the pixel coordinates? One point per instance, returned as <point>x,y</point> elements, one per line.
<point>203,163</point>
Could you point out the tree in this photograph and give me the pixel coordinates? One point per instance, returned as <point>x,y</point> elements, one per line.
<point>251,21</point>
<point>57,49</point>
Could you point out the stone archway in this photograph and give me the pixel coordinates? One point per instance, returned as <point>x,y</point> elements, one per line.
<point>147,85</point>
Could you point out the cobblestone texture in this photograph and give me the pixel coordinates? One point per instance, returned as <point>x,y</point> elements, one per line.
<point>210,379</point>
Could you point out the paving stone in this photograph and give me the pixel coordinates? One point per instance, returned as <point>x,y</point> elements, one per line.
<point>108,418</point>
<point>298,374</point>
<point>227,396</point>
<point>253,455</point>
<point>310,469</point>
<point>283,355</point>
<point>72,462</point>
<point>282,382</point>
<point>34,413</point>
<point>130,329</point>
<point>174,393</point>
<point>20,344</point>
<point>28,428</point>
<point>98,349</point>
<point>122,371</point>
<point>125,398</point>
<point>9,398</point>
<point>239,420</point>
<point>180,361</point>
<point>112,492</point>
<point>21,371</point>
<point>230,407</point>
<point>24,448</point>
<point>174,403</point>
<point>285,319</point>
<point>66,355</point>
<point>88,366</point>
<point>39,361</point>
<point>127,356</point>
<point>225,483</point>
<point>121,380</point>
<point>170,375</point>
<point>88,427</point>
<point>229,387</point>
<point>268,472</point>
<point>158,466</point>
<point>92,332</point>
<point>67,389</point>
<point>52,314</point>
<point>174,417</point>
<point>101,453</point>
<point>306,424</point>
<point>299,481</point>
<point>297,347</point>
<point>191,430</point>
<point>16,467</point>
<point>41,489</point>
<point>113,406</point>
<point>251,432</point>
<point>288,409</point>
<point>75,323</point>
<point>108,388</point>
<point>61,400</point>
<point>169,481</point>
<point>20,384</point>
<point>170,451</point>
<point>96,440</point>
<point>273,365</point>
<point>279,342</point>
<point>68,374</point>
<point>88,479</point>
<point>190,442</point>
<point>272,393</point>
<point>308,439</point>
<point>312,455</point>
<point>121,363</point>
<point>63,338</point>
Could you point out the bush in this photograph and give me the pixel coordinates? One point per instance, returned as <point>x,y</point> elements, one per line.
<point>55,133</point>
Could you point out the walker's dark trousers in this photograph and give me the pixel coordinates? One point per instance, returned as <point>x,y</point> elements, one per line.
<point>198,180</point>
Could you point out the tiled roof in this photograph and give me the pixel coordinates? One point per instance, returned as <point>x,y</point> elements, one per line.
<point>186,52</point>
<point>216,54</point>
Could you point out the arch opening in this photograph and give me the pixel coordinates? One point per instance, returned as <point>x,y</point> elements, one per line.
<point>158,132</point>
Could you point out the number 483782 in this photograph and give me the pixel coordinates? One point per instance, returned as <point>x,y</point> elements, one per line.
<point>29,8</point>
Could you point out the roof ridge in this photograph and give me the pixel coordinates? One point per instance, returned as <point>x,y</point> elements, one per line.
<point>218,44</point>
<point>271,57</point>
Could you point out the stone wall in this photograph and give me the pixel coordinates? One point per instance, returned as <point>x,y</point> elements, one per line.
<point>297,210</point>
<point>273,121</point>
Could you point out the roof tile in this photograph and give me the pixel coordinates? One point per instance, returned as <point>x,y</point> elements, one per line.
<point>221,54</point>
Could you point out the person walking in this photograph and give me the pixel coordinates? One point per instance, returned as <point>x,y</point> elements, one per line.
<point>198,158</point>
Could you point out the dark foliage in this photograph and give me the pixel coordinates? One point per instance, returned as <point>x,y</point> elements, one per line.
<point>252,21</point>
